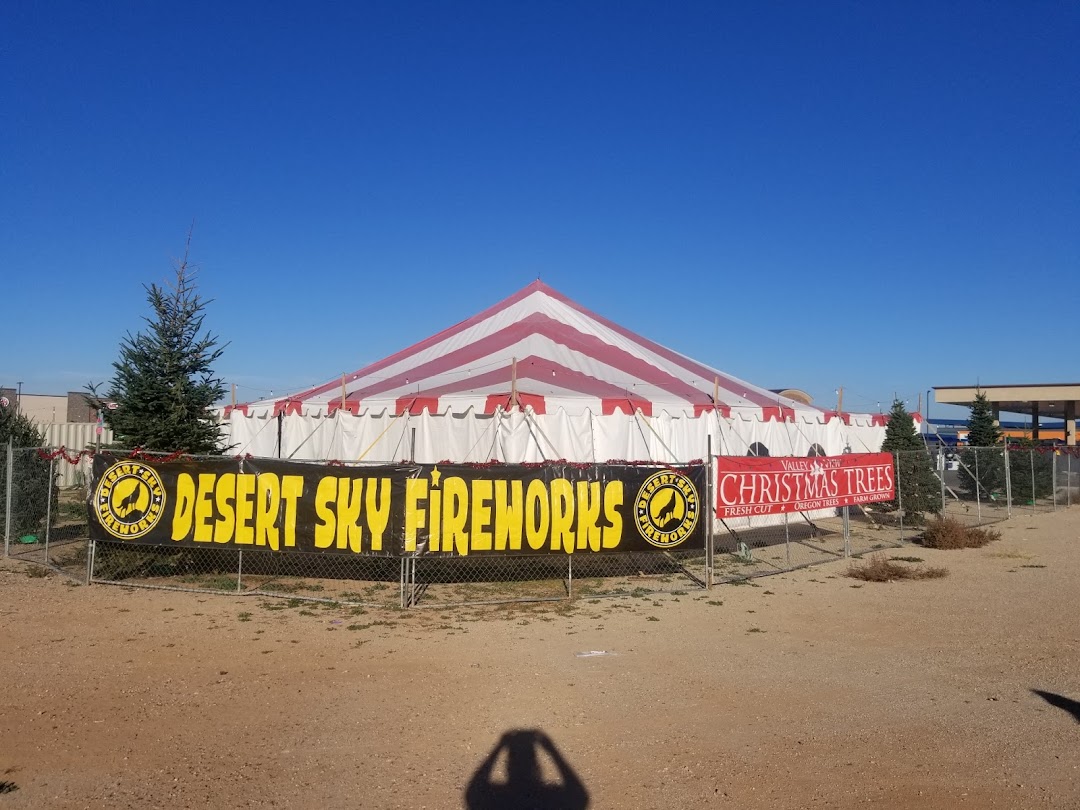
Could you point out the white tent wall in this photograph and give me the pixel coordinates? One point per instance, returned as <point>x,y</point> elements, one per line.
<point>517,437</point>
<point>525,437</point>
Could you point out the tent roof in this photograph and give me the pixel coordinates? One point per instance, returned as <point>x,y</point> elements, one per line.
<point>547,351</point>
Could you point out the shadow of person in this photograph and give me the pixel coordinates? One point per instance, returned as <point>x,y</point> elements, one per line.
<point>1065,704</point>
<point>525,787</point>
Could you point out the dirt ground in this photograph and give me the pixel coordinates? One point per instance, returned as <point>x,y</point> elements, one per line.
<point>806,689</point>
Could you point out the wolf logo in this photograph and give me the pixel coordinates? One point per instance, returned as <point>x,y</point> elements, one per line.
<point>129,499</point>
<point>667,508</point>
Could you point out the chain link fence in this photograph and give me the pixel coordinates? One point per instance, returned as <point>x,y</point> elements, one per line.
<point>753,547</point>
<point>372,581</point>
<point>47,524</point>
<point>43,522</point>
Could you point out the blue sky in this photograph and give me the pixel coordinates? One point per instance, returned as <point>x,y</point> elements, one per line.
<point>880,196</point>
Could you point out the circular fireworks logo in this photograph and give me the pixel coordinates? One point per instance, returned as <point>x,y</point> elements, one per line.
<point>129,500</point>
<point>666,509</point>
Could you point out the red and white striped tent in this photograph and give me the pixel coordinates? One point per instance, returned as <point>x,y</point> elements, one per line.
<point>539,377</point>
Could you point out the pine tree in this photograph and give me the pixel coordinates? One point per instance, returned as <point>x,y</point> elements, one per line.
<point>31,488</point>
<point>1031,473</point>
<point>982,470</point>
<point>917,487</point>
<point>163,388</point>
<point>982,432</point>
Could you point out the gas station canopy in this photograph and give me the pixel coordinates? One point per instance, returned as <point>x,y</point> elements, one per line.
<point>1053,400</point>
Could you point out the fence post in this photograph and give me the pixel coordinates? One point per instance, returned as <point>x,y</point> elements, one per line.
<point>787,541</point>
<point>1068,480</point>
<point>7,499</point>
<point>401,581</point>
<point>847,531</point>
<point>1031,460</point>
<point>941,478</point>
<point>899,496</point>
<point>569,576</point>
<point>978,487</point>
<point>710,511</point>
<point>1054,486</point>
<point>90,562</point>
<point>1008,483</point>
<point>48,509</point>
<point>239,570</point>
<point>411,591</point>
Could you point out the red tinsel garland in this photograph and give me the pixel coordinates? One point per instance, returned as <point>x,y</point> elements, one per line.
<point>62,453</point>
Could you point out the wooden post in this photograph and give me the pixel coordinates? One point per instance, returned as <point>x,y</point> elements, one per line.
<point>715,391</point>
<point>234,395</point>
<point>840,399</point>
<point>513,383</point>
<point>342,392</point>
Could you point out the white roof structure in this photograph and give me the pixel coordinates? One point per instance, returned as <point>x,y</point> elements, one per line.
<point>536,349</point>
<point>536,378</point>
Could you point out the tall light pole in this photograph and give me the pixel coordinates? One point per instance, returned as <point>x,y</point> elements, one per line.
<point>18,398</point>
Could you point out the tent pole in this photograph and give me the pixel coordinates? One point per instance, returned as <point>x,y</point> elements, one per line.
<point>710,511</point>
<point>513,383</point>
<point>342,392</point>
<point>715,391</point>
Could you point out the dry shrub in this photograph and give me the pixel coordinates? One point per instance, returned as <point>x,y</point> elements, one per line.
<point>880,568</point>
<point>949,533</point>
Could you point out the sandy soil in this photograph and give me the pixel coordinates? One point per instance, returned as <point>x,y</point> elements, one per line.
<point>800,690</point>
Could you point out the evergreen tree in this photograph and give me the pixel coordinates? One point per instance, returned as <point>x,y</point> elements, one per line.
<point>30,484</point>
<point>982,470</point>
<point>982,432</point>
<point>19,428</point>
<point>163,388</point>
<point>1031,473</point>
<point>917,486</point>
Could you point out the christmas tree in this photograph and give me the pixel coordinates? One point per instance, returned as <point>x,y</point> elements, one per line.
<point>31,487</point>
<point>982,470</point>
<point>982,431</point>
<point>163,388</point>
<point>918,489</point>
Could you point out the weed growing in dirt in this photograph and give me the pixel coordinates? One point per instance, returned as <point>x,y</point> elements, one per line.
<point>37,573</point>
<point>714,602</point>
<point>949,533</point>
<point>652,618</point>
<point>907,559</point>
<point>379,623</point>
<point>880,568</point>
<point>755,630</point>
<point>244,617</point>
<point>1033,566</point>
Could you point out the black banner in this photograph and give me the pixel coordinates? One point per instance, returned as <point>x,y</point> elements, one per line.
<point>396,510</point>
